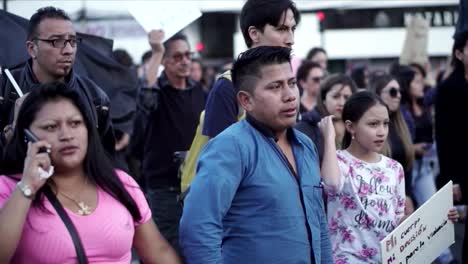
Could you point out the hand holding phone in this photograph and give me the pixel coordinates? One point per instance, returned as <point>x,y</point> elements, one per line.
<point>30,137</point>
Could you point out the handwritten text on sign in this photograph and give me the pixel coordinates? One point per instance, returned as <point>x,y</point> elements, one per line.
<point>423,235</point>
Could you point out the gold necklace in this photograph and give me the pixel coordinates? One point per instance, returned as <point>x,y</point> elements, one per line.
<point>84,208</point>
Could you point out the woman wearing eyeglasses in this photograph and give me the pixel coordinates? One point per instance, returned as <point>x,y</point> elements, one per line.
<point>400,145</point>
<point>334,92</point>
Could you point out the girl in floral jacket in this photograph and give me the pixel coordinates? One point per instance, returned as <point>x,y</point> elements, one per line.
<point>365,189</point>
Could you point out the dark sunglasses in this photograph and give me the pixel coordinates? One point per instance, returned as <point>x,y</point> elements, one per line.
<point>393,92</point>
<point>180,56</point>
<point>60,42</point>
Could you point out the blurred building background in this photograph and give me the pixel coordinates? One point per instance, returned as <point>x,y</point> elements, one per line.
<point>351,31</point>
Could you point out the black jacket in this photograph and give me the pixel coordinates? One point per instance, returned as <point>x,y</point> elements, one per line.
<point>309,126</point>
<point>98,101</point>
<point>451,129</point>
<point>168,127</point>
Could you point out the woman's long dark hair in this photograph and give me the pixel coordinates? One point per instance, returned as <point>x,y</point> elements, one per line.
<point>356,106</point>
<point>404,76</point>
<point>377,85</point>
<point>327,85</point>
<point>97,165</point>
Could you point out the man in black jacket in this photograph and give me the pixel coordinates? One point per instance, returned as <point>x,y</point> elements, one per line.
<point>52,44</point>
<point>451,120</point>
<point>169,127</point>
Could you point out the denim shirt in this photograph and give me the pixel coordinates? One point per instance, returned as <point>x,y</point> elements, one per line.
<point>247,206</point>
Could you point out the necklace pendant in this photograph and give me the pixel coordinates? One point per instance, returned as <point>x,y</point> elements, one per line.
<point>84,209</point>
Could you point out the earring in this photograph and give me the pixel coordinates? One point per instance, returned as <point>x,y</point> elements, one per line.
<point>352,136</point>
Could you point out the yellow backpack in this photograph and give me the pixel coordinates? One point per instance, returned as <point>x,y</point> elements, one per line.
<point>189,166</point>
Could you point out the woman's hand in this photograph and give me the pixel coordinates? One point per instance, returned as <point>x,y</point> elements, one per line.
<point>33,164</point>
<point>453,215</point>
<point>420,148</point>
<point>327,129</point>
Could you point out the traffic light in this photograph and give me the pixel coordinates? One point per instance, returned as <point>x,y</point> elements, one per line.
<point>321,19</point>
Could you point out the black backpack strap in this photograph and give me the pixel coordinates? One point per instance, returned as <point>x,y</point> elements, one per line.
<point>80,253</point>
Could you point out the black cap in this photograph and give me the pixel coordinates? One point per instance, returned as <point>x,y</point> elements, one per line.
<point>462,24</point>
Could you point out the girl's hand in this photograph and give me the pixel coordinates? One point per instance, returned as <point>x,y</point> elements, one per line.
<point>32,164</point>
<point>327,129</point>
<point>453,215</point>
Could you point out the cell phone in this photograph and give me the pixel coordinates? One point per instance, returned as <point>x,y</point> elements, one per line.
<point>30,137</point>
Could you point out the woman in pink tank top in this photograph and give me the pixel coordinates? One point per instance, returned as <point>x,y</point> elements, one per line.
<point>106,206</point>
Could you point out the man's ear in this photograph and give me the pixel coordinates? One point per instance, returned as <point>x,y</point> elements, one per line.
<point>350,127</point>
<point>245,100</point>
<point>254,34</point>
<point>31,48</point>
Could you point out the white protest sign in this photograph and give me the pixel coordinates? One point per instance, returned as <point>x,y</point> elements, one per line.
<point>170,16</point>
<point>423,235</point>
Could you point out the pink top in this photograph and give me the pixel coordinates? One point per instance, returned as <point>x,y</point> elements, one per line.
<point>365,208</point>
<point>106,234</point>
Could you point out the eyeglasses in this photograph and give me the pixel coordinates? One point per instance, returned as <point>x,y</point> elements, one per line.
<point>180,56</point>
<point>60,42</point>
<point>393,92</point>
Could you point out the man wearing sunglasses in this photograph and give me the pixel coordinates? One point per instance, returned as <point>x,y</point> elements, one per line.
<point>52,44</point>
<point>170,126</point>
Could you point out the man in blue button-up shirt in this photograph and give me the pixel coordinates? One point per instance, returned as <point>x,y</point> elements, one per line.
<point>257,196</point>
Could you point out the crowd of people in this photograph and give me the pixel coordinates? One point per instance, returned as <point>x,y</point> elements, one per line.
<point>261,164</point>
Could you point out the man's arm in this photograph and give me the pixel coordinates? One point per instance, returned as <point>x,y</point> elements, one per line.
<point>211,193</point>
<point>221,108</point>
<point>155,38</point>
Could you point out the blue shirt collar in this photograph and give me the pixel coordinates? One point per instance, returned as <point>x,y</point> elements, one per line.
<point>268,132</point>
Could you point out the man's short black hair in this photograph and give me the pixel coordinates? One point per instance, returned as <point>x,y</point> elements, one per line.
<point>44,13</point>
<point>259,13</point>
<point>178,36</point>
<point>247,68</point>
<point>122,57</point>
